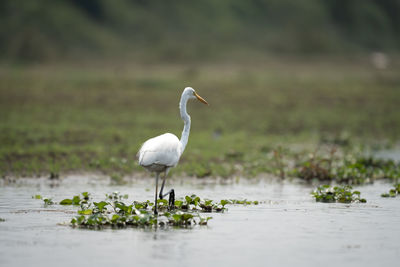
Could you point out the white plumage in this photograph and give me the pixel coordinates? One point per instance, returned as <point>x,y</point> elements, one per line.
<point>163,152</point>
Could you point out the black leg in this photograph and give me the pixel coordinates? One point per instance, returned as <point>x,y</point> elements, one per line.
<point>171,200</point>
<point>161,196</point>
<point>171,193</point>
<point>155,203</point>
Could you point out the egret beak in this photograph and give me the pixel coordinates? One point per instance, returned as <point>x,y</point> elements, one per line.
<point>200,98</point>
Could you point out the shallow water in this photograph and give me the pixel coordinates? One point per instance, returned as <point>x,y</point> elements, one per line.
<point>288,228</point>
<point>393,154</point>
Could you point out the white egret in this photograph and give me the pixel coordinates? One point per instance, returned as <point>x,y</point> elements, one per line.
<point>161,153</point>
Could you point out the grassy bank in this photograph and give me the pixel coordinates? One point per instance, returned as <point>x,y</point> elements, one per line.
<point>59,118</point>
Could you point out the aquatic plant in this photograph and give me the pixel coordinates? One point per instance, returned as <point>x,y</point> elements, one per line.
<point>204,220</point>
<point>138,214</point>
<point>76,200</point>
<point>2,220</point>
<point>100,220</point>
<point>116,196</point>
<point>114,212</point>
<point>194,202</point>
<point>243,202</point>
<point>47,201</point>
<point>393,192</point>
<point>139,218</point>
<point>341,194</point>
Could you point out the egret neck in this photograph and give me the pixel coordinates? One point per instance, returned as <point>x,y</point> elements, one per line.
<point>186,119</point>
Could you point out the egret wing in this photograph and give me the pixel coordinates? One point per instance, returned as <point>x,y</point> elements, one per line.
<point>164,150</point>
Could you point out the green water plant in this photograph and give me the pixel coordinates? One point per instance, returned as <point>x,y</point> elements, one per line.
<point>341,194</point>
<point>180,218</point>
<point>117,214</point>
<point>101,220</point>
<point>194,202</point>
<point>138,218</point>
<point>116,196</point>
<point>242,202</point>
<point>76,200</point>
<point>393,192</point>
<point>47,201</point>
<point>114,212</point>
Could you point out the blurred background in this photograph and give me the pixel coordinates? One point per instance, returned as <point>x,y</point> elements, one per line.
<point>83,83</point>
<point>178,30</point>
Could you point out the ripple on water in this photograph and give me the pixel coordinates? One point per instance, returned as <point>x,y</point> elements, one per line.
<point>288,228</point>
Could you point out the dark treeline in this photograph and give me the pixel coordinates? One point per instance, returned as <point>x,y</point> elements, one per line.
<point>52,29</point>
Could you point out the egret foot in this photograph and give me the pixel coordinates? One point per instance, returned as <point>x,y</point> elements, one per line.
<point>171,200</point>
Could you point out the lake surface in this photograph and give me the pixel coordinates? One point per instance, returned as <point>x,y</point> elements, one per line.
<point>287,229</point>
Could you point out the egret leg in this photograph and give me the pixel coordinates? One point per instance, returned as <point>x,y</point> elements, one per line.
<point>171,199</point>
<point>161,196</point>
<point>171,193</point>
<point>155,203</point>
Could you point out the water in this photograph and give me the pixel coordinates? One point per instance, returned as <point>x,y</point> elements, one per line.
<point>392,154</point>
<point>289,228</point>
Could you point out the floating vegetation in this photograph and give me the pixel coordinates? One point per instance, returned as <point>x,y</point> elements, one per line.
<point>47,201</point>
<point>240,202</point>
<point>76,200</point>
<point>194,202</point>
<point>113,212</point>
<point>116,196</point>
<point>393,192</point>
<point>341,194</point>
<point>2,220</point>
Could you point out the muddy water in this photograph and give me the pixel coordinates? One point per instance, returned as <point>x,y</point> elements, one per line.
<point>287,229</point>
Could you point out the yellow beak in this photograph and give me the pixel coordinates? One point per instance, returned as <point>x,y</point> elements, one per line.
<point>200,98</point>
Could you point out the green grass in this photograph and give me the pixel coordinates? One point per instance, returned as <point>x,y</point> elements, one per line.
<point>62,118</point>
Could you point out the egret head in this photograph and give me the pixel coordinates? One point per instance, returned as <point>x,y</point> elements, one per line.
<point>193,95</point>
